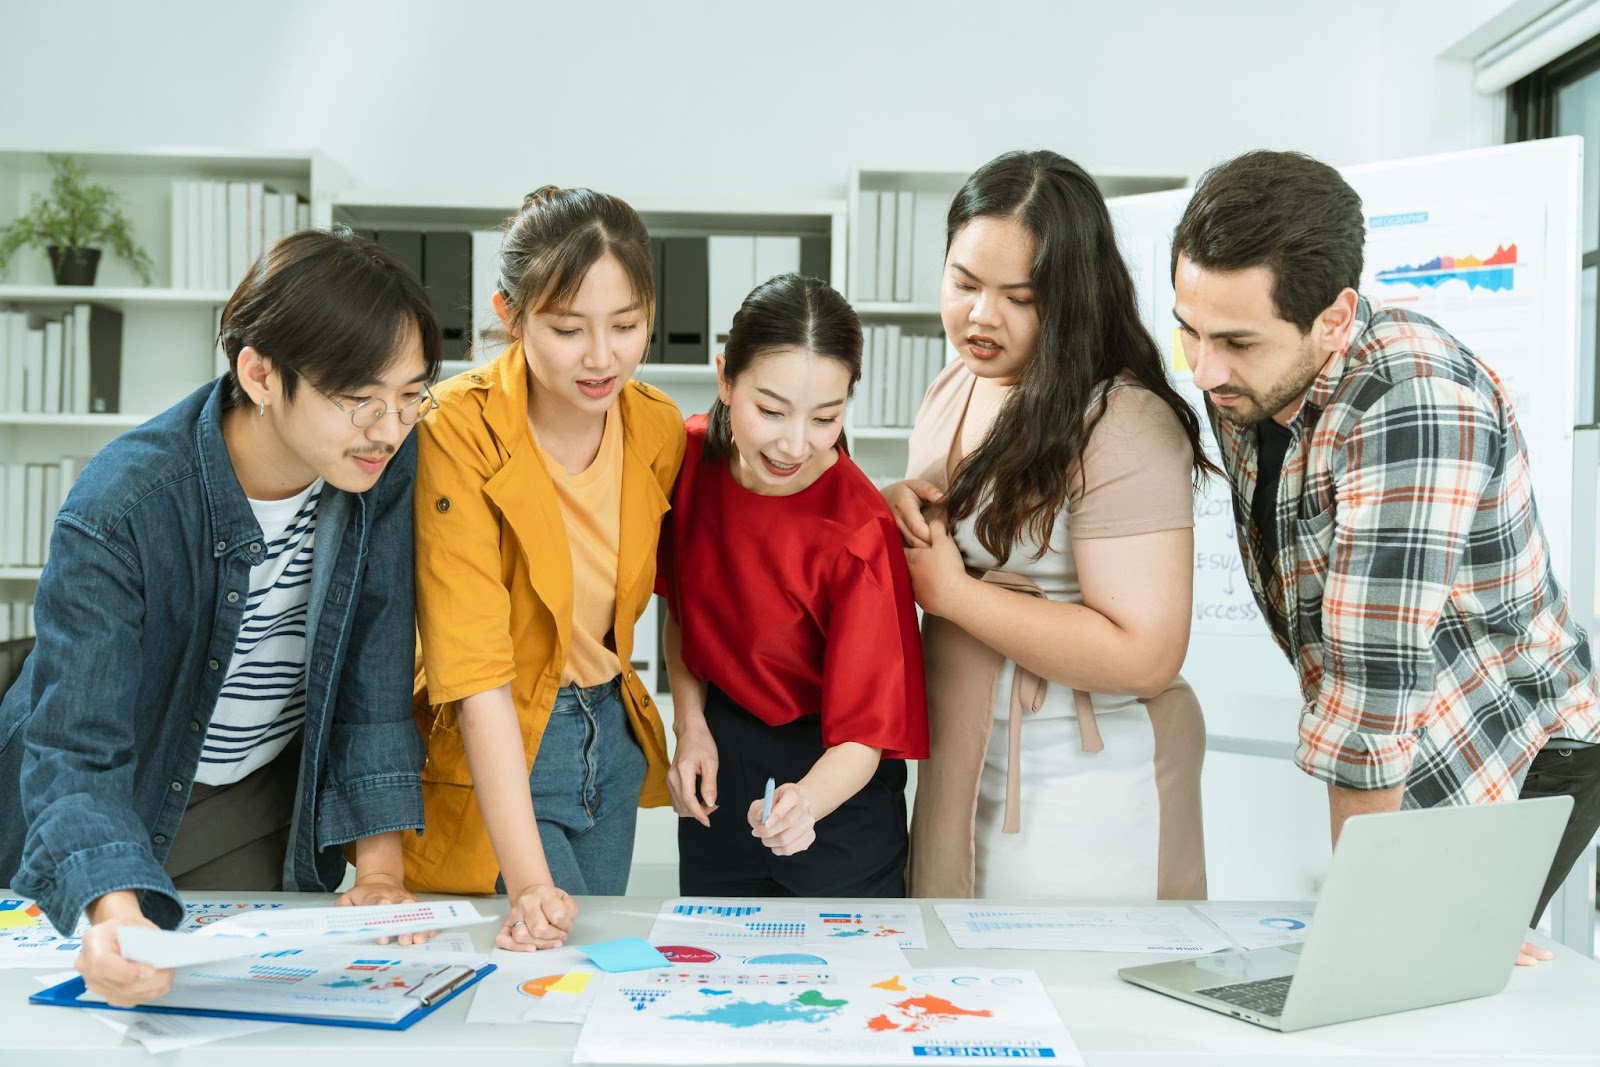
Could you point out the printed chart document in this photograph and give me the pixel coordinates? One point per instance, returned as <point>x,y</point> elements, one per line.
<point>690,920</point>
<point>253,933</point>
<point>27,938</point>
<point>900,1016</point>
<point>1157,928</point>
<point>1260,925</point>
<point>553,985</point>
<point>329,984</point>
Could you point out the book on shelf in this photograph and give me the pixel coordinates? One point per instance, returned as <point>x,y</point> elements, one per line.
<point>899,246</point>
<point>54,366</point>
<point>730,275</point>
<point>928,246</point>
<point>864,271</point>
<point>447,274</point>
<point>218,229</point>
<point>897,369</point>
<point>681,292</point>
<point>33,493</point>
<point>904,202</point>
<point>887,209</point>
<point>487,332</point>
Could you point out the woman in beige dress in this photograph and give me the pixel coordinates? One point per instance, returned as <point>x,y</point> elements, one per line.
<point>1048,514</point>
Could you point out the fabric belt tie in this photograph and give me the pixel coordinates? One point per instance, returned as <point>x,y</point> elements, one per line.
<point>1027,697</point>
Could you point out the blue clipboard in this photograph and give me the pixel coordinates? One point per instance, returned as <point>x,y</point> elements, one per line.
<point>67,993</point>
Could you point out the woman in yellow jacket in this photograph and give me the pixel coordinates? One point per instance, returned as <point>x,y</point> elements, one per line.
<point>541,482</point>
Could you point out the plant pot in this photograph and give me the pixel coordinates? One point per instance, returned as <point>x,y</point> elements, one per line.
<point>74,266</point>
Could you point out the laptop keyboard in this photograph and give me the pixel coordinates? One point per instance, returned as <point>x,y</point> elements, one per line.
<point>1264,997</point>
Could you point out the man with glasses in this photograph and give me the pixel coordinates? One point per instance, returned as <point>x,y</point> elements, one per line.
<point>220,694</point>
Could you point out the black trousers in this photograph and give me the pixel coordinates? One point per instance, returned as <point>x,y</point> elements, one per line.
<point>860,850</point>
<point>1573,772</point>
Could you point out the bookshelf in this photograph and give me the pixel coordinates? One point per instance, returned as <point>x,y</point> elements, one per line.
<point>166,331</point>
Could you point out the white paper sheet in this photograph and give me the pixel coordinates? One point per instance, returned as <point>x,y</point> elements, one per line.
<point>253,933</point>
<point>1157,928</point>
<point>689,920</point>
<point>164,1033</point>
<point>1260,925</point>
<point>867,1017</point>
<point>27,939</point>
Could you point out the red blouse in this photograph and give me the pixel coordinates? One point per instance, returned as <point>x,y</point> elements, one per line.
<point>797,605</point>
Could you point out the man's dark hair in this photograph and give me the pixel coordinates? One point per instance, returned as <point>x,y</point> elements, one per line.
<point>1284,211</point>
<point>331,306</point>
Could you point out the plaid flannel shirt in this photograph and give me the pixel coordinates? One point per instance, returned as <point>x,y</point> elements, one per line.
<point>1413,589</point>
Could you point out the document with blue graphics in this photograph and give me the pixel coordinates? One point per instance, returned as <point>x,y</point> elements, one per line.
<point>695,919</point>
<point>339,986</point>
<point>867,1016</point>
<point>253,933</point>
<point>1154,928</point>
<point>27,938</point>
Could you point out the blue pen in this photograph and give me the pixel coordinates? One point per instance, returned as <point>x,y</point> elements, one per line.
<point>766,802</point>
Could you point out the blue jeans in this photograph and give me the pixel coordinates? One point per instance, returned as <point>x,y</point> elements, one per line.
<point>585,783</point>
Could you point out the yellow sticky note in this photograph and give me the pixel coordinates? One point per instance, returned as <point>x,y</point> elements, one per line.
<point>15,918</point>
<point>572,982</point>
<point>1180,360</point>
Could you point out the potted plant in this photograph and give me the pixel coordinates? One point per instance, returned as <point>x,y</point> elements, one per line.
<point>69,224</point>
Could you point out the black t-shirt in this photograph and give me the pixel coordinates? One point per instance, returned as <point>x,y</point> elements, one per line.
<point>1272,442</point>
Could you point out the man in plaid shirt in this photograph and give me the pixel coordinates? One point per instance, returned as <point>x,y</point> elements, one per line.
<point>1385,514</point>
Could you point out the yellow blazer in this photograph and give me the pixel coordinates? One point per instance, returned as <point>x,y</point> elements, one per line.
<point>494,592</point>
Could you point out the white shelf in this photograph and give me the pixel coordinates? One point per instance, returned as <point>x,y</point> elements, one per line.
<point>889,309</point>
<point>20,574</point>
<point>107,422</point>
<point>677,372</point>
<point>380,209</point>
<point>880,433</point>
<point>117,296</point>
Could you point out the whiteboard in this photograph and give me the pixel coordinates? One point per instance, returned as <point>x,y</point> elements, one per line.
<point>1516,208</point>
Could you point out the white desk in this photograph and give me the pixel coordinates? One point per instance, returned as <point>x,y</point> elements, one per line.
<point>1548,1015</point>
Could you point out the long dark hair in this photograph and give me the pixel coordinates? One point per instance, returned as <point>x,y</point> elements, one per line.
<point>1089,333</point>
<point>786,311</point>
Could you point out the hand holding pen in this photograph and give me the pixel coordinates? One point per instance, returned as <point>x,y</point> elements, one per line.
<point>783,820</point>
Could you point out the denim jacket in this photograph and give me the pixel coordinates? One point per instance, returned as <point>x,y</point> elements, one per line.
<point>137,615</point>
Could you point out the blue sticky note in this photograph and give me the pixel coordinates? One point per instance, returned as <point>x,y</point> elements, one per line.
<point>625,954</point>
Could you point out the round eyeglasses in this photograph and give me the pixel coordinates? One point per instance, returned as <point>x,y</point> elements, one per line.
<point>368,413</point>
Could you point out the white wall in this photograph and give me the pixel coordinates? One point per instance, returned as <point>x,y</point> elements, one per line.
<point>736,99</point>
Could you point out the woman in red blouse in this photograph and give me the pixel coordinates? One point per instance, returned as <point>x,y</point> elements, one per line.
<point>791,638</point>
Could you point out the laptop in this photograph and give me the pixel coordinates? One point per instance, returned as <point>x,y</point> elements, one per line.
<point>1419,907</point>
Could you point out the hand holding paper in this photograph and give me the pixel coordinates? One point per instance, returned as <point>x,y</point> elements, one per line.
<point>252,933</point>
<point>106,967</point>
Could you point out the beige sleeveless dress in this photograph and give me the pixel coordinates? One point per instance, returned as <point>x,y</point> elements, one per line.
<point>1034,790</point>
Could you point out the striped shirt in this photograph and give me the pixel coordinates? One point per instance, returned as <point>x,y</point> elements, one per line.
<point>1413,589</point>
<point>263,697</point>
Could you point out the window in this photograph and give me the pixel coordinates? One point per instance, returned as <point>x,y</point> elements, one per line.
<point>1564,98</point>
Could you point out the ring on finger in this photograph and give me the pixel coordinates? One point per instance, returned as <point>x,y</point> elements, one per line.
<point>516,924</point>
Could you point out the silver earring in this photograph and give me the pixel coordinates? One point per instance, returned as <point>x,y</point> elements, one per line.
<point>261,410</point>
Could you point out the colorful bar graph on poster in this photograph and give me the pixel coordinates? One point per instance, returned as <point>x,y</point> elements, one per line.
<point>1496,272</point>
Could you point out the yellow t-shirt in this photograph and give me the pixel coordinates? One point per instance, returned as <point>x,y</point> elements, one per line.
<point>591,506</point>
